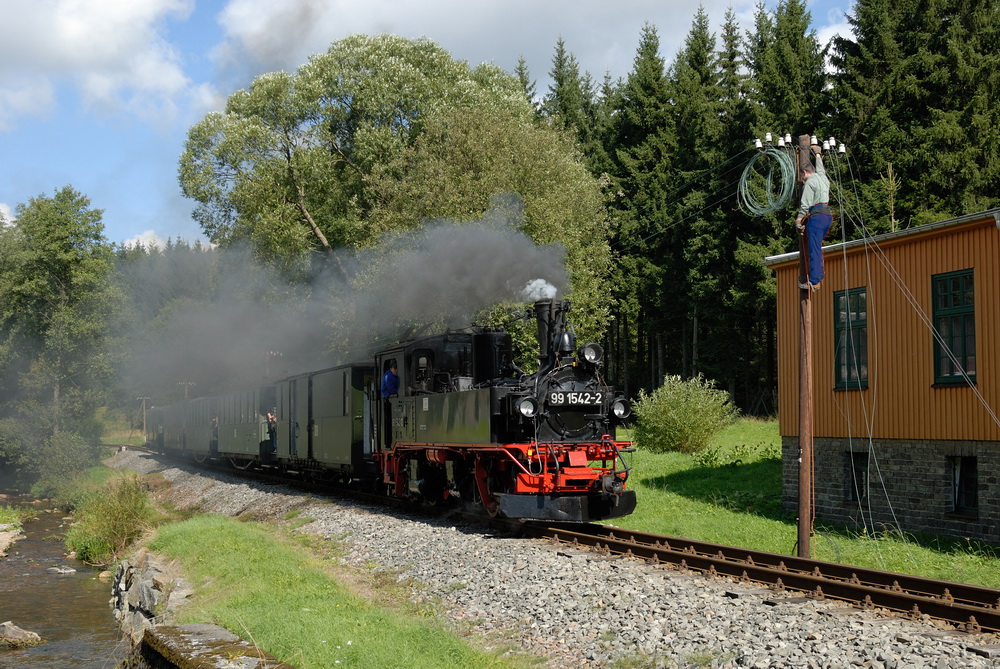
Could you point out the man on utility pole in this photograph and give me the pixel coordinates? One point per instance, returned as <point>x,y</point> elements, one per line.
<point>814,216</point>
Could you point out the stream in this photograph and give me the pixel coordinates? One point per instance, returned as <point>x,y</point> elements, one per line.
<point>69,611</point>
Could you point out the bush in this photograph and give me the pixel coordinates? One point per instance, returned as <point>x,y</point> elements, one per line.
<point>110,520</point>
<point>681,415</point>
<point>61,456</point>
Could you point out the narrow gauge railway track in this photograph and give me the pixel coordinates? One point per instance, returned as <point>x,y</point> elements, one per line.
<point>970,608</point>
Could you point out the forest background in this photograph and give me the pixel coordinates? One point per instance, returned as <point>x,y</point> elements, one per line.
<point>339,201</point>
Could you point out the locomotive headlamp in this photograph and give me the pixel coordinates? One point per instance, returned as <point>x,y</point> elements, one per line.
<point>592,353</point>
<point>621,408</point>
<point>528,407</point>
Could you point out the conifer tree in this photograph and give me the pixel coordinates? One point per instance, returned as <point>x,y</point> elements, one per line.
<point>645,143</point>
<point>915,88</point>
<point>786,68</point>
<point>565,99</point>
<point>749,297</point>
<point>524,77</point>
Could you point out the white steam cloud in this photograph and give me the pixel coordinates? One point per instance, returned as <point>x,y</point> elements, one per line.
<point>539,289</point>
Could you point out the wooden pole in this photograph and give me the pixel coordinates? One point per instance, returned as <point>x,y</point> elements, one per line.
<point>805,384</point>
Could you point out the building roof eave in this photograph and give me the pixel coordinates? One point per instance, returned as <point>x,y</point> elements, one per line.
<point>920,229</point>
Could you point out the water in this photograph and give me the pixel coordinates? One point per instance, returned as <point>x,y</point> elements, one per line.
<point>69,611</point>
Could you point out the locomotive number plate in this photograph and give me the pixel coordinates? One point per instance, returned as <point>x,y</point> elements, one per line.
<point>575,397</point>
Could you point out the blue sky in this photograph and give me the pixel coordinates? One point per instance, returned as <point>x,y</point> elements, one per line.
<point>99,94</point>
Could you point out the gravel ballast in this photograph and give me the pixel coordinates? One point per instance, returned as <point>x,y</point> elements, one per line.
<point>579,608</point>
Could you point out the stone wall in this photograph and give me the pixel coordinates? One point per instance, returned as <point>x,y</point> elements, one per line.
<point>145,590</point>
<point>909,484</point>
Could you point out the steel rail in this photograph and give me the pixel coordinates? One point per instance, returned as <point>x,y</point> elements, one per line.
<point>970,608</point>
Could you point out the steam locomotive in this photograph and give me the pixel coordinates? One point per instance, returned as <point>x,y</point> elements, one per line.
<point>466,424</point>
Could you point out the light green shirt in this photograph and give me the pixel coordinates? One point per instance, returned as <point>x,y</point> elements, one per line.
<point>816,189</point>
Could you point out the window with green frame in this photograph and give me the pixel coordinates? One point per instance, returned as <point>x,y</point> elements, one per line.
<point>955,325</point>
<point>850,325</point>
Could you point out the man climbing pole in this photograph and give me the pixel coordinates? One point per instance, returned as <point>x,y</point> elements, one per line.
<point>815,216</point>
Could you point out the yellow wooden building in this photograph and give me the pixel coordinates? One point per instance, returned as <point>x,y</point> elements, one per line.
<point>906,378</point>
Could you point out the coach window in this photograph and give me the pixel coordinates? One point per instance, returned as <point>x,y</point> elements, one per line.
<point>954,328</point>
<point>850,324</point>
<point>964,473</point>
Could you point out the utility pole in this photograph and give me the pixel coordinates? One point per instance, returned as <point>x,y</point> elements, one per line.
<point>186,384</point>
<point>143,400</point>
<point>805,380</point>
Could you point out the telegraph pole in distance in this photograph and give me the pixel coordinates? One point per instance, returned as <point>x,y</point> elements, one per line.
<point>143,400</point>
<point>805,380</point>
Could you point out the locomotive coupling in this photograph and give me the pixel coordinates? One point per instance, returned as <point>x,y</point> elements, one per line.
<point>612,484</point>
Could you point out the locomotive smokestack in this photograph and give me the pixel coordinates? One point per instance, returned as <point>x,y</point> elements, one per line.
<point>545,315</point>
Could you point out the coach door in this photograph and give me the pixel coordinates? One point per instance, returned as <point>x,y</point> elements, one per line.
<point>385,407</point>
<point>299,422</point>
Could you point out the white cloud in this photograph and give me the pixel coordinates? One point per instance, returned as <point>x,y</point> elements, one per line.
<point>263,35</point>
<point>23,96</point>
<point>835,24</point>
<point>112,51</point>
<point>6,214</point>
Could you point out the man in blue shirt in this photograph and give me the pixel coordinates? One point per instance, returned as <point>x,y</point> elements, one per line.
<point>390,381</point>
<point>390,387</point>
<point>814,209</point>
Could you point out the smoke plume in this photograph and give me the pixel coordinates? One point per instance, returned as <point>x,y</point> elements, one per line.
<point>256,327</point>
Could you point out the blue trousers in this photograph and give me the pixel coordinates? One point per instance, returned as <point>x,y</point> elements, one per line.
<point>817,225</point>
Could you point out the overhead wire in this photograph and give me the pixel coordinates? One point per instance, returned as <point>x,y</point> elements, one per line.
<point>675,196</point>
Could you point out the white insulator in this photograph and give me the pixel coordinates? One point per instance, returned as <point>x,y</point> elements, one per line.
<point>767,137</point>
<point>788,138</point>
<point>758,143</point>
<point>781,141</point>
<point>833,142</point>
<point>842,149</point>
<point>826,145</point>
<point>813,140</point>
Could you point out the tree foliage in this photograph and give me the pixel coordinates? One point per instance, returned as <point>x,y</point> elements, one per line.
<point>373,138</point>
<point>286,166</point>
<point>464,158</point>
<point>57,326</point>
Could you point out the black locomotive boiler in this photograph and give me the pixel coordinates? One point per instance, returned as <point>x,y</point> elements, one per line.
<point>466,424</point>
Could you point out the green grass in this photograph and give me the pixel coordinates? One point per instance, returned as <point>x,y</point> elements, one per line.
<point>287,603</point>
<point>120,429</point>
<point>123,438</point>
<point>70,492</point>
<point>731,494</point>
<point>10,515</point>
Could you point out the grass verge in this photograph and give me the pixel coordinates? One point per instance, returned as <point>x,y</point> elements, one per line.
<point>285,601</point>
<point>10,515</point>
<point>731,494</point>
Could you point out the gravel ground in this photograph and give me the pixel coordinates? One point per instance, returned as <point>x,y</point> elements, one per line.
<point>581,609</point>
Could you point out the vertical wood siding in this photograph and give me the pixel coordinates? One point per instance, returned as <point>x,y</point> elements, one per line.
<point>901,401</point>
